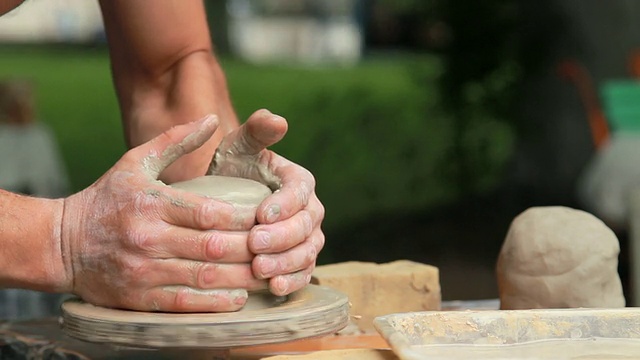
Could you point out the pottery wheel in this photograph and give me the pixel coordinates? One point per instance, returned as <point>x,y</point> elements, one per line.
<point>312,311</point>
<point>266,318</point>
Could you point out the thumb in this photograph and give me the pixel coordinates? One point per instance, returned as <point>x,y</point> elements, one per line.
<point>158,153</point>
<point>261,130</point>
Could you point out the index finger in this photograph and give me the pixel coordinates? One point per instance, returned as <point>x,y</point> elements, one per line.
<point>185,209</point>
<point>158,153</point>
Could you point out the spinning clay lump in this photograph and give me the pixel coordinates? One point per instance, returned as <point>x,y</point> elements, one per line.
<point>236,191</point>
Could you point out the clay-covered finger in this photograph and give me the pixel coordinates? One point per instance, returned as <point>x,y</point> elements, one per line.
<point>295,193</point>
<point>283,235</point>
<point>205,275</point>
<point>155,155</point>
<point>186,299</point>
<point>201,245</point>
<point>300,257</point>
<point>286,284</point>
<point>261,130</point>
<point>181,208</point>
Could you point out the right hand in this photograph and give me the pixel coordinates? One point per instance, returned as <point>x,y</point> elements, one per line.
<point>130,241</point>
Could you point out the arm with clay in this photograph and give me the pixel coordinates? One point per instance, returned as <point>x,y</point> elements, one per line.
<point>166,74</point>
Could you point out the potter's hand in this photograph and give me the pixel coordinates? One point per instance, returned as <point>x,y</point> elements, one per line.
<point>130,241</point>
<point>288,237</point>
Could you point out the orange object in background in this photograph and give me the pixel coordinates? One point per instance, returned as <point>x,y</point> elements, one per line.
<point>580,77</point>
<point>634,64</point>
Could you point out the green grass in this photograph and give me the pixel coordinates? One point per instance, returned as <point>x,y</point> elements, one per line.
<point>373,135</point>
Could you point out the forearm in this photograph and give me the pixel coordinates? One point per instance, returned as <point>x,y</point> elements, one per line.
<point>197,88</point>
<point>165,73</point>
<point>31,255</point>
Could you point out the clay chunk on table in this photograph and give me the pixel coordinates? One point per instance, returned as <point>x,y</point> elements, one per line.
<point>380,289</point>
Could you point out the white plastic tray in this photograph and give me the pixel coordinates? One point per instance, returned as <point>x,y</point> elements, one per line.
<point>516,334</point>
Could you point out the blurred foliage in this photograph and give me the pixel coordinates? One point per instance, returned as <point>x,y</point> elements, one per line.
<point>370,134</point>
<point>477,42</point>
<point>479,83</point>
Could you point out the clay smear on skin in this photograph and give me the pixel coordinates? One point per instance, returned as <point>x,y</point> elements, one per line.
<point>175,201</point>
<point>231,163</point>
<point>153,164</point>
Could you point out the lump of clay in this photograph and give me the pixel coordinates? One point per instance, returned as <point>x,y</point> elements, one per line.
<point>557,257</point>
<point>237,191</point>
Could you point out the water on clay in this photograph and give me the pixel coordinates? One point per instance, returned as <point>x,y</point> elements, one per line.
<point>561,349</point>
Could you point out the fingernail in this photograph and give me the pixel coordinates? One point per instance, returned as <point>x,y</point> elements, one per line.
<point>261,240</point>
<point>273,212</point>
<point>268,266</point>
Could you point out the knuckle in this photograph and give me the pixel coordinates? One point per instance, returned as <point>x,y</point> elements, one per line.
<point>149,299</point>
<point>302,193</point>
<point>312,254</point>
<point>307,222</point>
<point>319,241</point>
<point>181,299</point>
<point>132,156</point>
<point>204,275</point>
<point>205,215</point>
<point>145,202</point>
<point>216,247</point>
<point>321,211</point>
<point>311,180</point>
<point>137,269</point>
<point>140,240</point>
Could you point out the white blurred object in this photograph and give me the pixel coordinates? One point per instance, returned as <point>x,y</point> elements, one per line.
<point>607,183</point>
<point>53,21</point>
<point>330,34</point>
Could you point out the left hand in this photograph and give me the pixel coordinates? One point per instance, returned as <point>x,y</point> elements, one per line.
<point>288,237</point>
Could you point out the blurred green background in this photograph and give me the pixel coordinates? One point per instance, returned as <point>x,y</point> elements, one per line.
<point>373,135</point>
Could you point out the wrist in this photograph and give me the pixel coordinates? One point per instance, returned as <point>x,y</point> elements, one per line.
<point>32,254</point>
